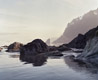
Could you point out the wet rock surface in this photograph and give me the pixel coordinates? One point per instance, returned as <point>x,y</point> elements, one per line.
<point>14,47</point>
<point>90,53</point>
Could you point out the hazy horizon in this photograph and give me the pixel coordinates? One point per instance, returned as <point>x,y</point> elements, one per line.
<point>25,20</point>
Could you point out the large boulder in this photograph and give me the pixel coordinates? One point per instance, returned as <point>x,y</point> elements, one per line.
<point>37,47</point>
<point>90,53</point>
<point>14,47</point>
<point>34,48</point>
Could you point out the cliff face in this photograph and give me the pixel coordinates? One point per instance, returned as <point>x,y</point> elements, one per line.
<point>90,53</point>
<point>79,25</point>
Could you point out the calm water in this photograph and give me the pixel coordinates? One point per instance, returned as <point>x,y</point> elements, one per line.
<point>58,68</point>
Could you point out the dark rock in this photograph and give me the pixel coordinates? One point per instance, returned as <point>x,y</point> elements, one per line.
<point>37,47</point>
<point>33,48</point>
<point>63,48</point>
<point>14,47</point>
<point>90,52</point>
<point>52,48</point>
<point>80,41</point>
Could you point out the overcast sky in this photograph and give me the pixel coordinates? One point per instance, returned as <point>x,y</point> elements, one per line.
<point>25,20</point>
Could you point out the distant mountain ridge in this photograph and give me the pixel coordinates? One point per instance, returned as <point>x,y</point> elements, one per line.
<point>79,25</point>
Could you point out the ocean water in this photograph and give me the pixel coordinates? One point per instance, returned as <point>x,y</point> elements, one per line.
<point>51,68</point>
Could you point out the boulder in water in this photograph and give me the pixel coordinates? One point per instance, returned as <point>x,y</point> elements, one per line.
<point>34,48</point>
<point>14,47</point>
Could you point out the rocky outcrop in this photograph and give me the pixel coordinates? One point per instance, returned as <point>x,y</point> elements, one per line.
<point>63,48</point>
<point>90,53</point>
<point>34,48</point>
<point>14,47</point>
<point>80,41</point>
<point>79,25</point>
<point>37,47</point>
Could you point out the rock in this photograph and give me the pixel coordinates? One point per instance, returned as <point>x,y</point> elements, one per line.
<point>79,25</point>
<point>48,42</point>
<point>34,48</point>
<point>5,46</point>
<point>14,47</point>
<point>1,49</point>
<point>63,48</point>
<point>37,47</point>
<point>90,53</point>
<point>52,48</point>
<point>80,41</point>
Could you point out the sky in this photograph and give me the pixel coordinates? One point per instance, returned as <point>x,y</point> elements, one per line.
<point>26,20</point>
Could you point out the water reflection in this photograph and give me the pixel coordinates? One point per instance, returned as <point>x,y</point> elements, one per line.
<point>37,60</point>
<point>77,66</point>
<point>14,56</point>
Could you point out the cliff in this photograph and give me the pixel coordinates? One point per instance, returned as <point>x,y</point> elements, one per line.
<point>79,25</point>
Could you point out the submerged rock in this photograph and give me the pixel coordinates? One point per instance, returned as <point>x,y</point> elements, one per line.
<point>14,47</point>
<point>52,48</point>
<point>90,53</point>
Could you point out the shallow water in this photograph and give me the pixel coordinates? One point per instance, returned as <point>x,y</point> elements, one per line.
<point>54,68</point>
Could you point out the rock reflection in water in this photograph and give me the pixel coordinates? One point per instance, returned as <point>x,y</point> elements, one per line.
<point>14,56</point>
<point>37,60</point>
<point>78,66</point>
